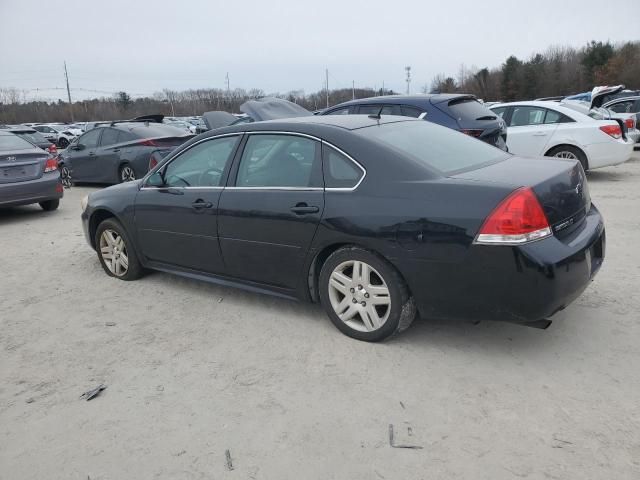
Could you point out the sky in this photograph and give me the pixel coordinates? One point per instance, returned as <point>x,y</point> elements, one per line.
<point>143,46</point>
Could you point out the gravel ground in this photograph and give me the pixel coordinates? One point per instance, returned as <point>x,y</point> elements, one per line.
<point>194,370</point>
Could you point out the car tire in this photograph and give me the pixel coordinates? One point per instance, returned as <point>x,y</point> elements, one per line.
<point>63,143</point>
<point>569,152</point>
<point>126,173</point>
<point>353,276</point>
<point>113,246</point>
<point>50,205</point>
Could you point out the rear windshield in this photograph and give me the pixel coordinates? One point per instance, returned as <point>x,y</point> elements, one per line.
<point>470,109</point>
<point>437,147</point>
<point>13,142</point>
<point>33,136</point>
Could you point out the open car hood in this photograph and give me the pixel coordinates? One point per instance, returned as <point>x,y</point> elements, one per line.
<point>217,119</point>
<point>270,108</point>
<point>598,94</point>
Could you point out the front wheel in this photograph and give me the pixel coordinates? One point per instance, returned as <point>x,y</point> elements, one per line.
<point>65,176</point>
<point>127,174</point>
<point>63,143</point>
<point>115,251</point>
<point>364,296</point>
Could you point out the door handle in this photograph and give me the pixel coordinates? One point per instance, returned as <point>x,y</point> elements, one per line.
<point>540,134</point>
<point>304,209</point>
<point>198,204</point>
<point>116,150</point>
<point>92,154</point>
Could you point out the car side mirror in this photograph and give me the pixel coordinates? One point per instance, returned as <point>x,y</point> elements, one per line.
<point>77,146</point>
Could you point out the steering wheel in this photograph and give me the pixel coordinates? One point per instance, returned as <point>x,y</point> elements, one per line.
<point>211,171</point>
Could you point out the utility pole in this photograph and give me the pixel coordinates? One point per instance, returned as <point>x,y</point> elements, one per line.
<point>353,89</point>
<point>408,70</point>
<point>382,87</point>
<point>228,87</point>
<point>66,76</point>
<point>326,83</point>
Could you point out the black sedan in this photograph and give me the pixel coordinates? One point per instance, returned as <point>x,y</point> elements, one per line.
<point>376,218</point>
<point>118,152</point>
<point>27,174</point>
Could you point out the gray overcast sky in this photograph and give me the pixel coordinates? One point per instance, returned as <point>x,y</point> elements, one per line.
<point>144,46</point>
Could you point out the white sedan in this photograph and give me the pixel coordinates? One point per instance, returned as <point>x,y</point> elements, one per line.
<point>542,128</point>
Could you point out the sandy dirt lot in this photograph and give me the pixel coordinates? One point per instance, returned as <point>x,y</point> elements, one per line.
<point>194,370</point>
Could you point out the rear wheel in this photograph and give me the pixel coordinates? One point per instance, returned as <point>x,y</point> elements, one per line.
<point>364,296</point>
<point>65,176</point>
<point>569,152</point>
<point>115,251</point>
<point>63,143</point>
<point>127,174</point>
<point>49,205</point>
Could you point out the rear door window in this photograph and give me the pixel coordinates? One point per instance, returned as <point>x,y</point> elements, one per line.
<point>109,137</point>
<point>279,161</point>
<point>523,115</point>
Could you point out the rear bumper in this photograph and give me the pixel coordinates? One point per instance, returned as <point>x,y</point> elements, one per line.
<point>47,187</point>
<point>607,154</point>
<point>520,284</point>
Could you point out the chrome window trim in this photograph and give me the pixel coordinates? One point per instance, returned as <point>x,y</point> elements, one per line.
<point>265,132</point>
<point>353,160</point>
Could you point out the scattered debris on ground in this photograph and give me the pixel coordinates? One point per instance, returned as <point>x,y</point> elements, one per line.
<point>89,394</point>
<point>227,454</point>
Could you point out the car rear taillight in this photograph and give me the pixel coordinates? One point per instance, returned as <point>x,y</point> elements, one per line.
<point>519,218</point>
<point>630,123</point>
<point>472,132</point>
<point>613,130</point>
<point>149,143</point>
<point>52,149</point>
<point>51,165</point>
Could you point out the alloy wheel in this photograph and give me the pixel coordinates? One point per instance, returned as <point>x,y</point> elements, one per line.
<point>114,252</point>
<point>566,154</point>
<point>127,174</point>
<point>65,175</point>
<point>359,296</point>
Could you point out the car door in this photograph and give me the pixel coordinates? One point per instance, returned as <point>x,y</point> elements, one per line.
<point>176,210</point>
<point>48,133</point>
<point>271,208</point>
<point>527,133</point>
<point>82,158</point>
<point>107,156</point>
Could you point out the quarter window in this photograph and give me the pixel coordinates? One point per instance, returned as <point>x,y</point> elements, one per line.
<point>278,161</point>
<point>556,117</point>
<point>500,111</point>
<point>339,171</point>
<point>375,109</point>
<point>410,111</point>
<point>202,165</point>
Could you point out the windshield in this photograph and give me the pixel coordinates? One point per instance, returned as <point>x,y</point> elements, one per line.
<point>13,142</point>
<point>439,148</point>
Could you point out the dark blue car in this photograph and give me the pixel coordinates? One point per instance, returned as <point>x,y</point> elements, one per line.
<point>460,112</point>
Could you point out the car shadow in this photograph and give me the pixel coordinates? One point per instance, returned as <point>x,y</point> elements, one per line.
<point>500,338</point>
<point>606,176</point>
<point>9,215</point>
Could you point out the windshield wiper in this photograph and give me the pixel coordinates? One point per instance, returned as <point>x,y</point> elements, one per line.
<point>486,117</point>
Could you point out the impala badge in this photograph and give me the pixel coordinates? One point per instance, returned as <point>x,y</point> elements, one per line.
<point>10,159</point>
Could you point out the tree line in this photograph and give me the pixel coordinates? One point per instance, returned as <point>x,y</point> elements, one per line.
<point>557,71</point>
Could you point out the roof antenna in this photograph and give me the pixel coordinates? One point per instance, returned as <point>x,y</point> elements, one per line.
<point>377,115</point>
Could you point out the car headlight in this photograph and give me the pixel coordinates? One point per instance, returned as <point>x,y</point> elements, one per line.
<point>84,202</point>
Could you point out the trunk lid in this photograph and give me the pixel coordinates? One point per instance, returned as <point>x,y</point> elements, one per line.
<point>560,185</point>
<point>598,94</point>
<point>21,165</point>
